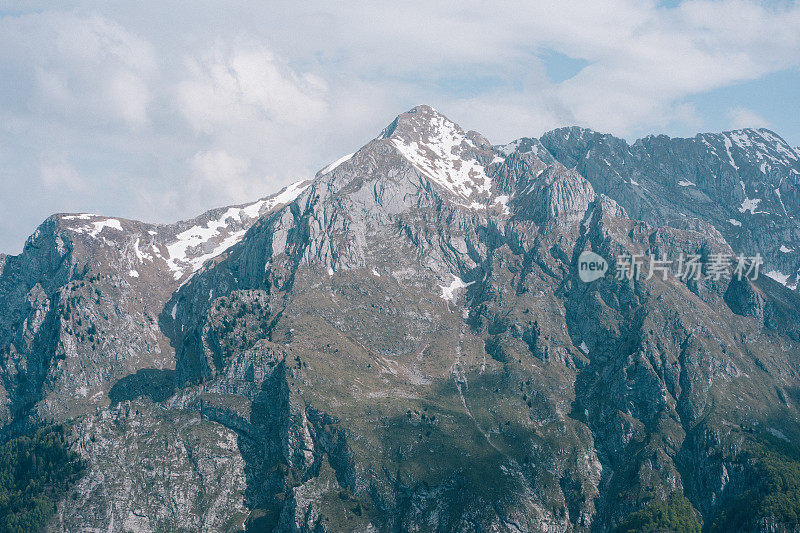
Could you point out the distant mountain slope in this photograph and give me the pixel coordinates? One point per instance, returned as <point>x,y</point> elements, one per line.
<point>744,182</point>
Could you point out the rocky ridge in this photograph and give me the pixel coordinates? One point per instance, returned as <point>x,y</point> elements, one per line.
<point>404,344</point>
<point>81,302</point>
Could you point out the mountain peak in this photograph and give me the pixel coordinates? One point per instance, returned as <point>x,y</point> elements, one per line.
<point>417,121</point>
<point>442,151</point>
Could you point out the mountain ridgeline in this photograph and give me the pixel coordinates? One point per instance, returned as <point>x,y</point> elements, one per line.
<point>404,343</point>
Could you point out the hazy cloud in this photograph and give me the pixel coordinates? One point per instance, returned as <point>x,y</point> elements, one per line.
<point>247,87</point>
<point>741,117</point>
<point>167,109</point>
<point>60,175</point>
<point>69,68</point>
<point>222,172</point>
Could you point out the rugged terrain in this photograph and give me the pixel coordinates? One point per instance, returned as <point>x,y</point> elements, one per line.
<point>403,343</point>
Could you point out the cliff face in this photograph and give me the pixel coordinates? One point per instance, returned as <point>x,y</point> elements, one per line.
<point>742,182</point>
<point>406,344</point>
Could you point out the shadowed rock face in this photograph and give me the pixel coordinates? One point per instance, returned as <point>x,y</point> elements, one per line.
<point>404,344</point>
<point>158,385</point>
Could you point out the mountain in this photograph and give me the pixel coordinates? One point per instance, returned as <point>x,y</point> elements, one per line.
<point>743,182</point>
<point>405,343</point>
<point>81,303</point>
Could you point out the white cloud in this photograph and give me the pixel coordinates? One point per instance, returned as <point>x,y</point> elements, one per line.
<point>158,103</point>
<point>59,175</point>
<point>85,69</point>
<point>242,99</point>
<point>741,117</point>
<point>222,172</point>
<point>247,85</point>
<point>645,59</point>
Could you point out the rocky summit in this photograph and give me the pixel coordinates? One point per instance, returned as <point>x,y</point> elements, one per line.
<point>404,343</point>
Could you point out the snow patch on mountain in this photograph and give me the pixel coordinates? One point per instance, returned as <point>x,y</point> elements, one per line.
<point>196,245</point>
<point>440,150</point>
<point>523,145</point>
<point>762,148</point>
<point>781,278</point>
<point>502,201</point>
<point>450,292</point>
<point>780,199</point>
<point>728,146</point>
<point>335,164</point>
<point>180,260</point>
<point>94,228</point>
<point>285,196</point>
<point>510,148</point>
<point>741,139</point>
<point>780,145</point>
<point>750,204</point>
<point>140,255</point>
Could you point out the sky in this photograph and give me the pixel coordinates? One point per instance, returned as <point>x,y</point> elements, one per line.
<point>158,110</point>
